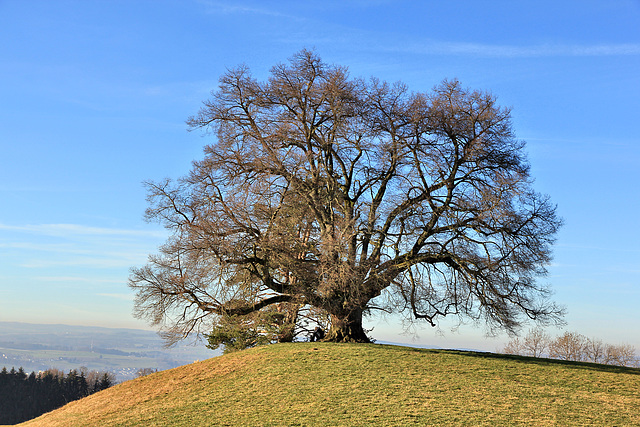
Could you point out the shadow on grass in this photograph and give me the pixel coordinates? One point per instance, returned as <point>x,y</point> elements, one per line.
<point>546,362</point>
<point>511,357</point>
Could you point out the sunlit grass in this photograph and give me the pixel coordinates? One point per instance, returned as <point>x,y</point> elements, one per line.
<point>318,384</point>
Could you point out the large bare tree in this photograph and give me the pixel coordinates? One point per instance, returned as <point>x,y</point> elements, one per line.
<point>326,191</point>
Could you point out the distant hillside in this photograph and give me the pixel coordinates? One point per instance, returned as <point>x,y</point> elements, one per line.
<point>37,347</point>
<point>320,384</point>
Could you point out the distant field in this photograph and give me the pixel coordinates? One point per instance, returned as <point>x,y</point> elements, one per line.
<point>124,367</point>
<point>121,351</point>
<point>322,384</point>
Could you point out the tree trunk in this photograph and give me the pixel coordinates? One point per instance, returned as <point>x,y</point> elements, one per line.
<point>347,328</point>
<point>287,329</point>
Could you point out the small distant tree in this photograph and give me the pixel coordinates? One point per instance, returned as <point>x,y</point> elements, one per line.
<point>143,372</point>
<point>348,195</point>
<point>106,380</point>
<point>568,346</point>
<point>98,380</point>
<point>513,346</point>
<point>572,346</point>
<point>53,373</point>
<point>21,374</point>
<point>621,355</point>
<point>272,324</point>
<point>236,333</point>
<point>595,350</point>
<point>75,386</point>
<point>536,342</point>
<point>278,323</point>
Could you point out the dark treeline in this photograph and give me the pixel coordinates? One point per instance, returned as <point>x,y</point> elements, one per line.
<point>23,396</point>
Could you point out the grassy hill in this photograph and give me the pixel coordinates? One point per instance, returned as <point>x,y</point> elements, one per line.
<point>322,384</point>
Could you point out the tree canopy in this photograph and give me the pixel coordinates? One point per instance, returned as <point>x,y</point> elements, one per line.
<point>344,195</point>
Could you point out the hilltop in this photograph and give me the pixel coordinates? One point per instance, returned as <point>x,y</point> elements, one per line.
<point>358,384</point>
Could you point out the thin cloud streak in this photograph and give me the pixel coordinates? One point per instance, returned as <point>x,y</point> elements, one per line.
<point>97,261</point>
<point>126,297</point>
<point>75,229</point>
<point>77,246</point>
<point>596,248</point>
<point>507,51</point>
<point>75,279</point>
<point>388,44</point>
<point>47,247</point>
<point>231,8</point>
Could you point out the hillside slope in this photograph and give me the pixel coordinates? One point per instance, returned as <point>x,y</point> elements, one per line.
<point>355,384</point>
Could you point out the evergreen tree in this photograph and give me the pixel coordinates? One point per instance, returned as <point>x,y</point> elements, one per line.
<point>23,397</point>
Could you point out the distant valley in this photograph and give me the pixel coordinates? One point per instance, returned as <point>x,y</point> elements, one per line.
<point>37,347</point>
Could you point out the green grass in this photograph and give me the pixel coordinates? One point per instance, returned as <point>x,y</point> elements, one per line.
<point>323,384</point>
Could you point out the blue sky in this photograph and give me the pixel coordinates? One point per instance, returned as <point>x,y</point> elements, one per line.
<point>94,95</point>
